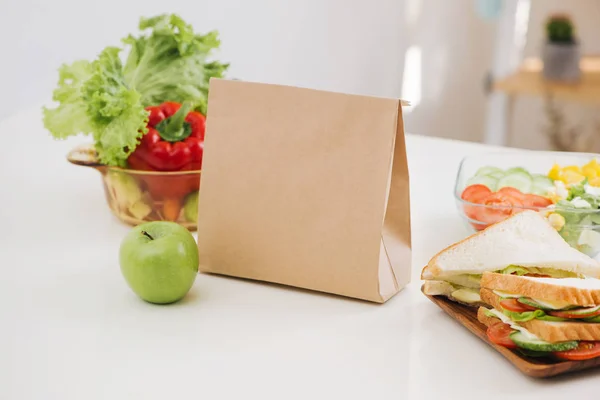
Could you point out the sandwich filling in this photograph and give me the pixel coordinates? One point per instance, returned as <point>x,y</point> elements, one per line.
<point>522,309</point>
<point>543,327</point>
<point>508,333</point>
<point>466,287</point>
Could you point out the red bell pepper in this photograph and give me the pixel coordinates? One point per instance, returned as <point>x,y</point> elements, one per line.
<point>174,141</point>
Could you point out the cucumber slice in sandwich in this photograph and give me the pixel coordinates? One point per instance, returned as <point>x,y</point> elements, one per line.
<point>467,296</point>
<point>584,311</point>
<point>540,345</point>
<point>533,354</point>
<point>543,305</point>
<point>531,303</point>
<point>518,180</point>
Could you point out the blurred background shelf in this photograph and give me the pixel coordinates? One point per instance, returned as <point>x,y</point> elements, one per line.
<point>528,81</point>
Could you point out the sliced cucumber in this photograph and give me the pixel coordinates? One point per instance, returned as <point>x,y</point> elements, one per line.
<point>498,175</point>
<point>487,170</point>
<point>583,311</point>
<point>542,179</point>
<point>518,180</point>
<point>469,296</point>
<point>541,184</point>
<point>545,306</point>
<point>517,169</point>
<point>485,180</point>
<point>541,345</point>
<point>531,303</point>
<point>553,319</point>
<point>592,319</point>
<point>533,354</point>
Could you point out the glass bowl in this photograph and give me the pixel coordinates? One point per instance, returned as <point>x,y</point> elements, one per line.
<point>136,196</point>
<point>579,227</point>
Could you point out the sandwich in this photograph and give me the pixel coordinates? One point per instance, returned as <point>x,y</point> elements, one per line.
<point>524,244</point>
<point>542,316</point>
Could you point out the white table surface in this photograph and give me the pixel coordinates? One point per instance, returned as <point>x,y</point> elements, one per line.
<point>72,329</point>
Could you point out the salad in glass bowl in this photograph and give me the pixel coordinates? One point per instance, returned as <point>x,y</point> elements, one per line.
<point>564,187</point>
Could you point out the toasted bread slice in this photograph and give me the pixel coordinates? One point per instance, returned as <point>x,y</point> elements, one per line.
<point>575,291</point>
<point>547,330</point>
<point>524,239</point>
<point>438,288</point>
<point>484,319</point>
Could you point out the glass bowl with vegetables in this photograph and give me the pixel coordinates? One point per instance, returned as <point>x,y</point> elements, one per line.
<point>144,105</point>
<point>563,187</point>
<point>162,177</point>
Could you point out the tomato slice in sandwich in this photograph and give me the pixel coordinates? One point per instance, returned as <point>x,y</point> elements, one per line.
<point>500,334</point>
<point>515,306</point>
<point>584,351</point>
<point>578,313</point>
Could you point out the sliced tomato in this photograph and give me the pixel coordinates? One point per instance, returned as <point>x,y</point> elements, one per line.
<point>500,199</point>
<point>478,227</point>
<point>479,197</point>
<point>579,315</point>
<point>513,192</point>
<point>515,306</point>
<point>499,207</point>
<point>474,212</point>
<point>474,190</point>
<point>585,351</point>
<point>475,194</point>
<point>535,201</point>
<point>500,334</point>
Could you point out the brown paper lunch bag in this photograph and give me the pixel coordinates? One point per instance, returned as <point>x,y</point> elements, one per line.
<point>305,188</point>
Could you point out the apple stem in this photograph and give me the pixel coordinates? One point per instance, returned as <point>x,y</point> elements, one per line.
<point>147,235</point>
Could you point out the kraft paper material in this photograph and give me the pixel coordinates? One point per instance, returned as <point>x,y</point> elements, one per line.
<point>305,188</point>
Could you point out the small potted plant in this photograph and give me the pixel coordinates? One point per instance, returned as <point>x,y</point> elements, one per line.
<point>561,53</point>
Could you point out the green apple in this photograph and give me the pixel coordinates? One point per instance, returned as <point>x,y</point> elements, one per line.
<point>190,209</point>
<point>159,261</point>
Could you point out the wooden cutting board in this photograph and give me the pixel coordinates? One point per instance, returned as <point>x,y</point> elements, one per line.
<point>534,367</point>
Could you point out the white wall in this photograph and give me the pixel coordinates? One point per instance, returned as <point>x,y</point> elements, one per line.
<point>314,43</point>
<point>342,45</point>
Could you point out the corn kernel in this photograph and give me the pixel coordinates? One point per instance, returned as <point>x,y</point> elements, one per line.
<point>554,198</point>
<point>557,221</point>
<point>595,182</point>
<point>555,172</point>
<point>589,171</point>
<point>570,177</point>
<point>573,168</point>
